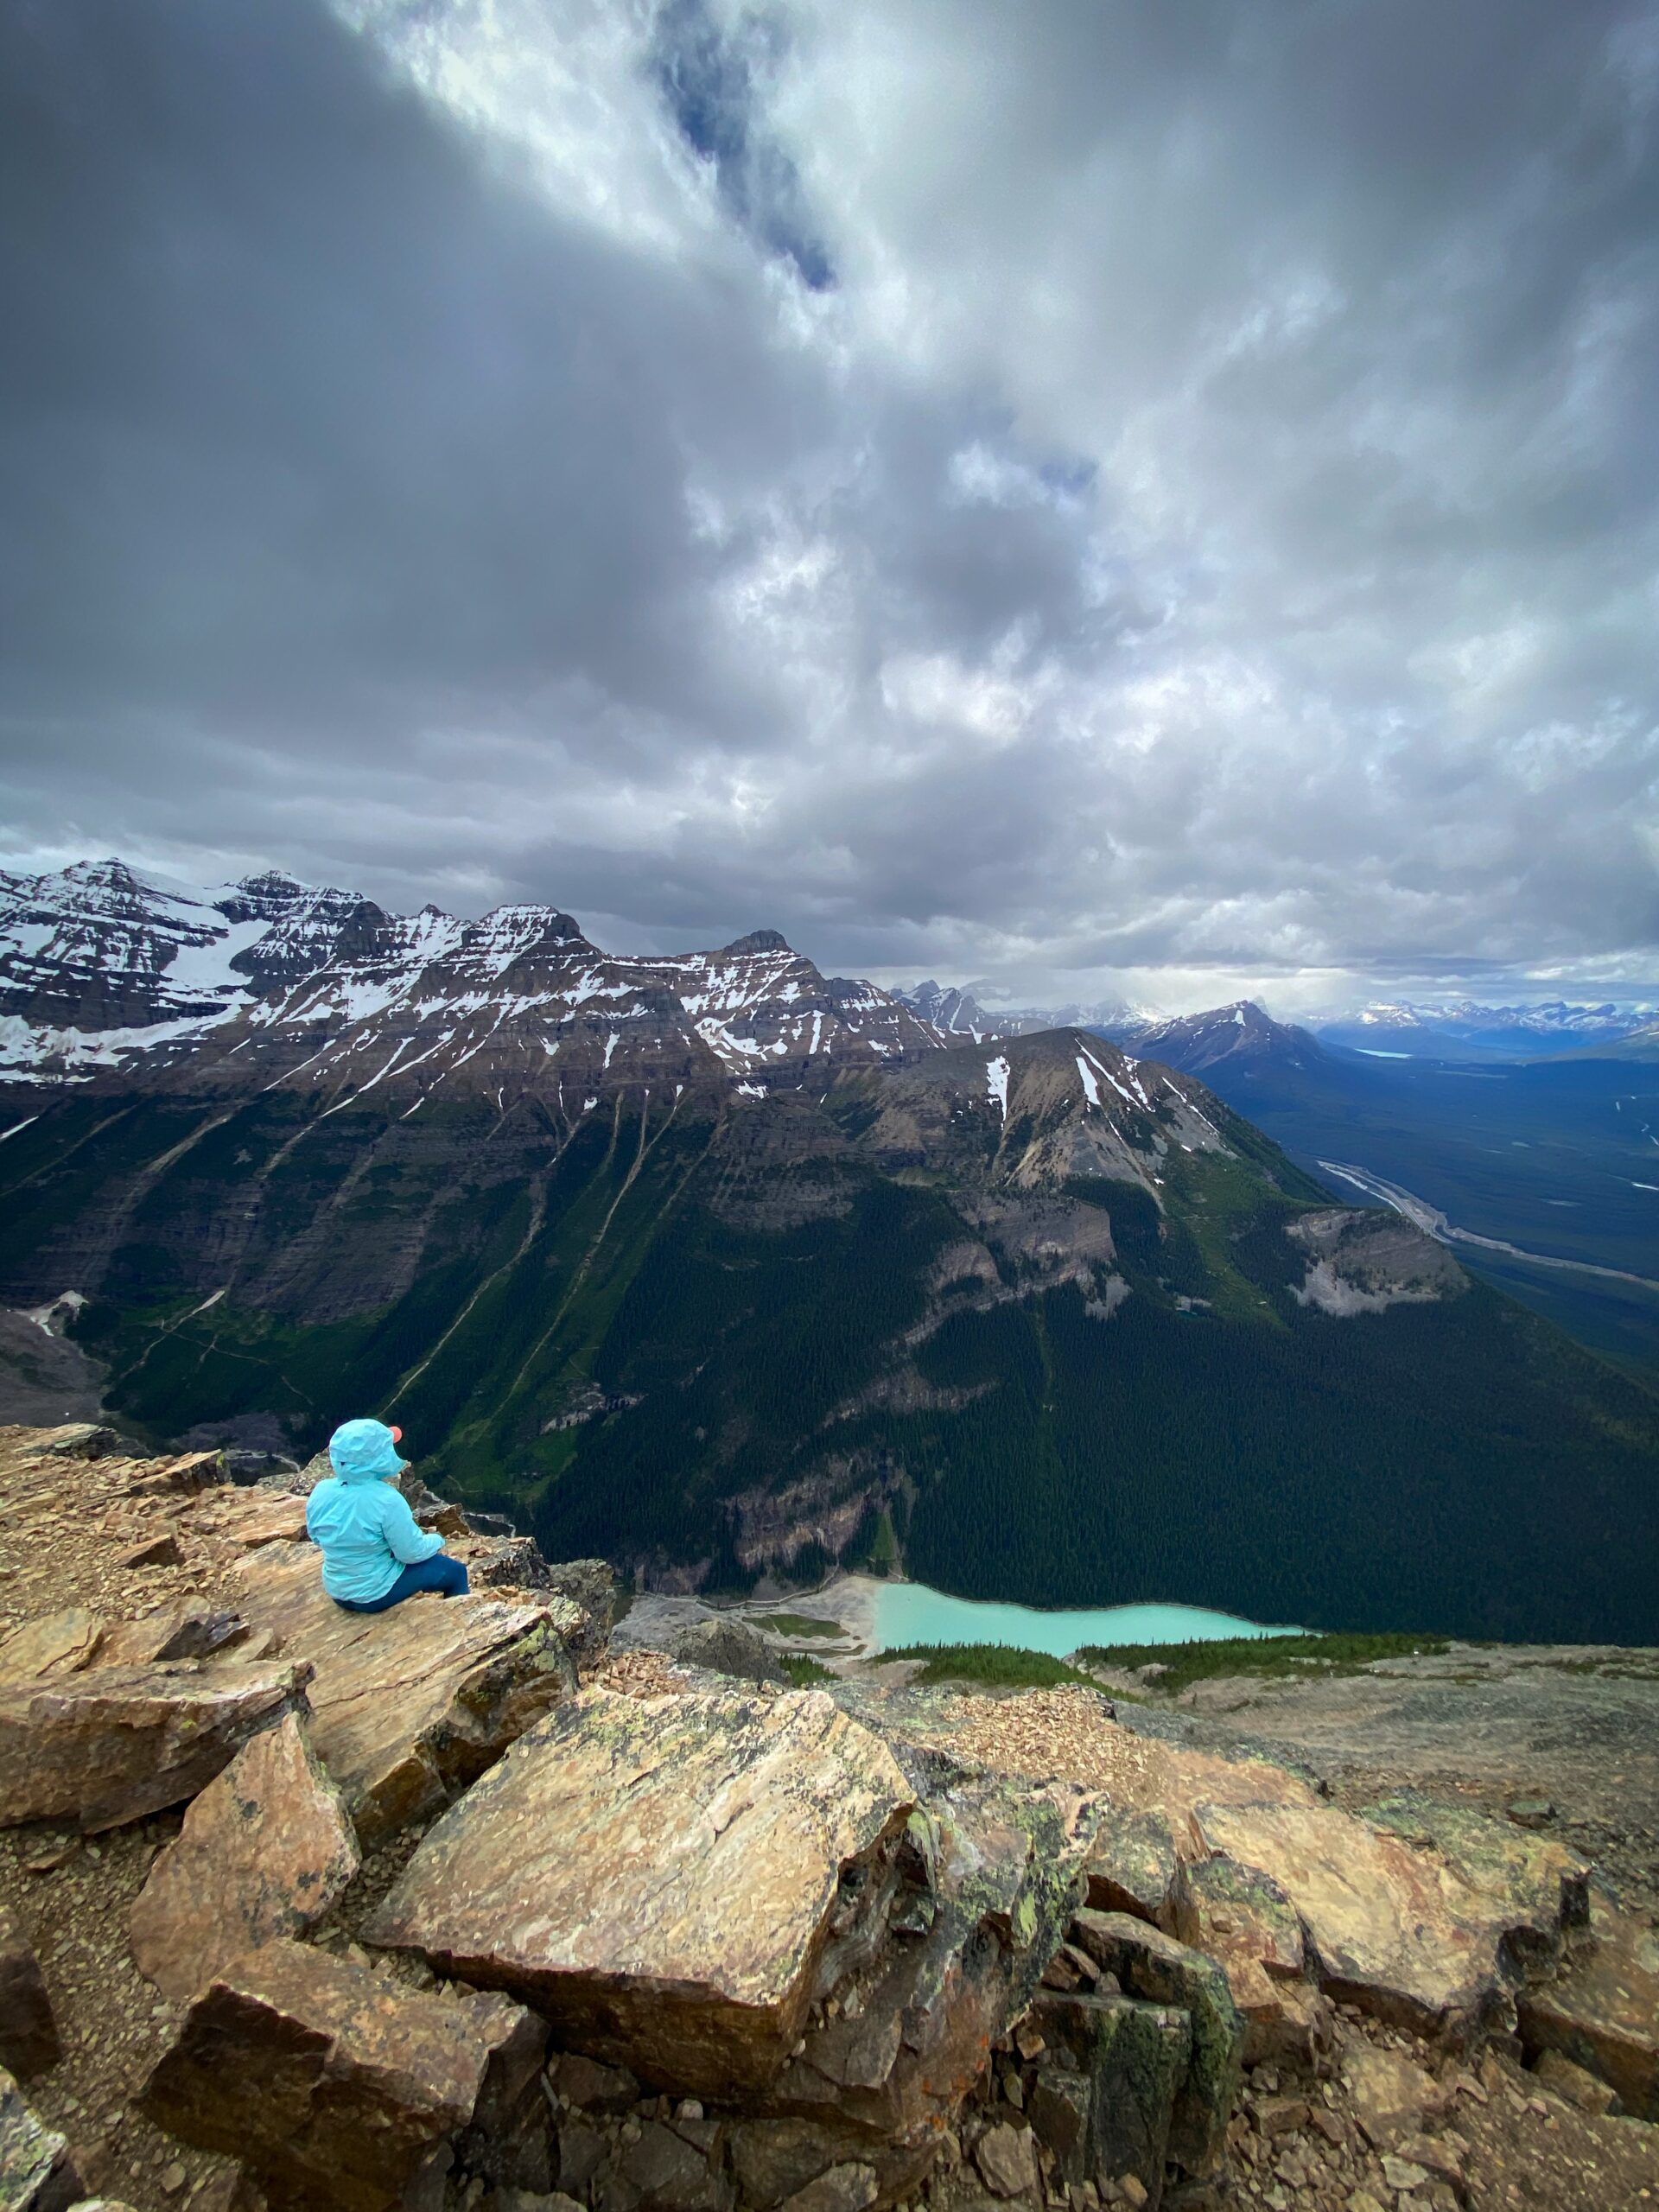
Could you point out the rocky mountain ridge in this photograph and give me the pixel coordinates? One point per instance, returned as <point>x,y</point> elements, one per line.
<point>103,969</point>
<point>457,1909</point>
<point>957,1013</point>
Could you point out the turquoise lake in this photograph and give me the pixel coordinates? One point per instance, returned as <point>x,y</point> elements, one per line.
<point>909,1612</point>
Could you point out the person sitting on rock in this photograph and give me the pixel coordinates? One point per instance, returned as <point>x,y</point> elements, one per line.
<point>375,1554</point>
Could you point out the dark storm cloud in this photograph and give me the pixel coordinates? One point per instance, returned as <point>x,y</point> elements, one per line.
<point>1017,491</point>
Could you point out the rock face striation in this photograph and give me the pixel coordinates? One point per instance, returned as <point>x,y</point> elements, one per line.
<point>661,1877</point>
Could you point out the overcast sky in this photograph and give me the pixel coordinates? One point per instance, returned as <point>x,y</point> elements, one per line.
<point>1069,493</point>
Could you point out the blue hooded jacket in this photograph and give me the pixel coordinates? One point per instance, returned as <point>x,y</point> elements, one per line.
<point>362,1522</point>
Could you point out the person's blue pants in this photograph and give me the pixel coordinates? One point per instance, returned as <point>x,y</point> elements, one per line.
<point>446,1575</point>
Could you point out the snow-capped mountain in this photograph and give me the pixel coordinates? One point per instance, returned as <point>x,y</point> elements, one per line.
<point>1520,1031</point>
<point>270,980</point>
<point>958,1013</point>
<point>1242,1032</point>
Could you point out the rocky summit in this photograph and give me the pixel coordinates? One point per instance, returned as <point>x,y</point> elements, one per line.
<point>463,1909</point>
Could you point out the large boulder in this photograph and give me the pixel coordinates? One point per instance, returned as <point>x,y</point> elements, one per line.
<point>333,2086</point>
<point>660,1877</point>
<point>111,1745</point>
<point>1110,2086</point>
<point>1603,2011</point>
<point>410,1705</point>
<point>264,1852</point>
<point>28,2032</point>
<point>1154,1967</point>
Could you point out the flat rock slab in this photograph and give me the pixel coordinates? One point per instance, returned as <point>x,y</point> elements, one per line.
<point>1603,2012</point>
<point>408,1706</point>
<point>116,1743</point>
<point>59,1643</point>
<point>657,1875</point>
<point>330,2085</point>
<point>264,1852</point>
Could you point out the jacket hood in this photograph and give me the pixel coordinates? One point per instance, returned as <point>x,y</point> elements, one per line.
<point>363,1451</point>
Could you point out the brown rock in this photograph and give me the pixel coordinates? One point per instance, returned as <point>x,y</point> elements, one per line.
<point>254,1521</point>
<point>1006,2159</point>
<point>113,1744</point>
<point>264,1852</point>
<point>194,1630</point>
<point>29,2033</point>
<point>1442,2157</point>
<point>37,2168</point>
<point>1282,2115</point>
<point>409,1706</point>
<point>330,2086</point>
<point>586,2082</point>
<point>1603,2012</point>
<point>503,1562</point>
<point>161,1551</point>
<point>62,1643</point>
<point>657,1875</point>
<point>183,1475</point>
<point>1243,1918</point>
<point>774,2159</point>
<point>1573,2084</point>
<point>230,2189</point>
<point>1390,2098</point>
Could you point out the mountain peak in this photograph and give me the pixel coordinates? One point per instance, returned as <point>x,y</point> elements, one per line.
<point>760,941</point>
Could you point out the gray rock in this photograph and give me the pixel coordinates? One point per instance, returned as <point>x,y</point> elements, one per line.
<point>582,2153</point>
<point>671,2175</point>
<point>1006,2159</point>
<point>29,2033</point>
<point>586,2082</point>
<point>848,2188</point>
<point>589,1584</point>
<point>37,2169</point>
<point>1135,2059</point>
<point>776,2160</point>
<point>728,1646</point>
<point>1154,1967</point>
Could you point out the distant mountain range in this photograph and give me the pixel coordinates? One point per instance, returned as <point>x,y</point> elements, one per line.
<point>958,1013</point>
<point>722,1267</point>
<point>1465,1030</point>
<point>1389,1029</point>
